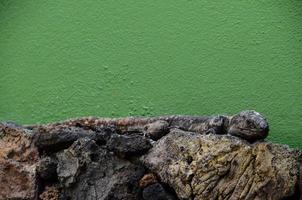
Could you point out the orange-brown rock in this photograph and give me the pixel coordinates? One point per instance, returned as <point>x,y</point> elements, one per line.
<point>147,179</point>
<point>50,193</point>
<point>18,160</point>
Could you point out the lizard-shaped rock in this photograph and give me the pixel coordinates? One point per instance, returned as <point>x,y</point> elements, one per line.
<point>248,125</point>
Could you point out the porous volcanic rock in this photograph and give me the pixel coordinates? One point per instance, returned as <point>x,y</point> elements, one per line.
<point>18,158</point>
<point>158,158</point>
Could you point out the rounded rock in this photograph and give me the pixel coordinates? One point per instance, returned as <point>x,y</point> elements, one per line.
<point>249,125</point>
<point>157,129</point>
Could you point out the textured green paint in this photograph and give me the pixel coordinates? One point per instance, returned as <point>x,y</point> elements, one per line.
<point>62,59</point>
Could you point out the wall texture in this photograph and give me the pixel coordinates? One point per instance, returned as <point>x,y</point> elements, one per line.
<point>62,59</point>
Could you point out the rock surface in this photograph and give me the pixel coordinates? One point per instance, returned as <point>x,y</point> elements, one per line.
<point>18,158</point>
<point>161,158</point>
<point>223,167</point>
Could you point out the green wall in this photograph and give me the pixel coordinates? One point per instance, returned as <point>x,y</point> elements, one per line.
<point>62,59</point>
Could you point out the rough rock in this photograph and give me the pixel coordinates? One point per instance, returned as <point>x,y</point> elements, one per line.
<point>105,176</point>
<point>72,160</point>
<point>18,159</point>
<point>157,192</point>
<point>157,129</point>
<point>249,125</point>
<point>47,169</point>
<point>147,179</point>
<point>135,158</point>
<point>54,138</point>
<point>223,167</point>
<point>128,145</point>
<point>50,193</point>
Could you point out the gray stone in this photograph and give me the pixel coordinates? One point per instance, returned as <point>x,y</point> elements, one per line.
<point>128,145</point>
<point>249,125</point>
<point>105,176</point>
<point>157,129</point>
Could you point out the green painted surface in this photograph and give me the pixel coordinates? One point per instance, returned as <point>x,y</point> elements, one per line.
<point>62,59</point>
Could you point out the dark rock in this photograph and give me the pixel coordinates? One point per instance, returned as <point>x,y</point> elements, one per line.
<point>52,138</point>
<point>129,145</point>
<point>105,177</point>
<point>56,138</point>
<point>73,159</point>
<point>157,192</point>
<point>47,169</point>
